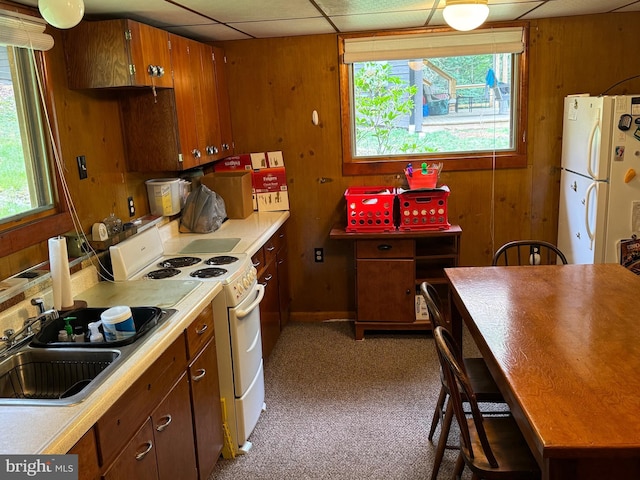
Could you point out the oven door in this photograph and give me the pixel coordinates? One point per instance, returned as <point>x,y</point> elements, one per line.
<point>246,341</point>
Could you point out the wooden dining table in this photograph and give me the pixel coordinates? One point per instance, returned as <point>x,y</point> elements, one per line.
<point>563,344</point>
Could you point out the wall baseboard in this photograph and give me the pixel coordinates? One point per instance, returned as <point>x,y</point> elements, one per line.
<point>320,316</point>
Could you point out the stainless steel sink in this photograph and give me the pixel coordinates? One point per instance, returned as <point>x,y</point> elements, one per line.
<point>62,376</point>
<point>49,372</point>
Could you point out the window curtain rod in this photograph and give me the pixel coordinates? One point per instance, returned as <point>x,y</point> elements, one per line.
<point>18,30</point>
<point>433,45</point>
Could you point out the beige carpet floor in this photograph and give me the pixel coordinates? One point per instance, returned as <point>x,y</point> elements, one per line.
<point>344,409</point>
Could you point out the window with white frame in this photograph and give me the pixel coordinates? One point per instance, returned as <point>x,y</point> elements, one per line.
<point>440,95</point>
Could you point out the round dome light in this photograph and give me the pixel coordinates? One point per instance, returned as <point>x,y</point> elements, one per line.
<point>62,13</point>
<point>465,15</point>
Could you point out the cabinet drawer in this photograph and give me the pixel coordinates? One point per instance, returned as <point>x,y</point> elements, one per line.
<point>384,248</point>
<point>200,331</point>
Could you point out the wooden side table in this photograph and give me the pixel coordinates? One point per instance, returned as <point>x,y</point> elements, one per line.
<point>390,266</point>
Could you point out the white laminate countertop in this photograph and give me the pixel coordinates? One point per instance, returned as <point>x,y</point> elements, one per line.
<point>55,430</point>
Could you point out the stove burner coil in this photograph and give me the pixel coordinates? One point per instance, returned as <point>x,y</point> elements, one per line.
<point>179,262</point>
<point>162,273</point>
<point>208,272</point>
<point>221,260</point>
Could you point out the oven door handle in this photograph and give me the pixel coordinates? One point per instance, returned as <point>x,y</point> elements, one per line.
<point>246,311</point>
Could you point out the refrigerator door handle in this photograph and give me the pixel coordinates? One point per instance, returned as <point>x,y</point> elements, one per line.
<point>586,214</point>
<point>592,136</point>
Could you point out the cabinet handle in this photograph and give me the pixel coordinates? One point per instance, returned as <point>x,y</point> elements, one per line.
<point>408,292</point>
<point>160,428</point>
<point>141,455</point>
<point>200,375</point>
<point>384,247</point>
<point>267,278</point>
<point>196,153</point>
<point>271,248</point>
<point>256,264</point>
<point>225,146</point>
<point>203,329</point>
<point>280,262</point>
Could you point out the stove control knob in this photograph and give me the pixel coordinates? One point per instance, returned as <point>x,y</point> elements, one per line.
<point>246,283</point>
<point>240,288</point>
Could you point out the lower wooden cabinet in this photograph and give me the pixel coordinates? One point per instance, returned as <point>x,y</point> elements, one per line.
<point>173,434</point>
<point>207,411</point>
<point>272,264</point>
<point>87,451</point>
<point>138,459</point>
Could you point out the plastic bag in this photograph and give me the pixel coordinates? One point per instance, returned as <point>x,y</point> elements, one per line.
<point>203,212</point>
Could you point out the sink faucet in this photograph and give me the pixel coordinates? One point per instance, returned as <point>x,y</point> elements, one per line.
<point>11,337</point>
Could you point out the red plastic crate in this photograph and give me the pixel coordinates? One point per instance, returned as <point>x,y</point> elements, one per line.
<point>370,209</point>
<point>424,209</point>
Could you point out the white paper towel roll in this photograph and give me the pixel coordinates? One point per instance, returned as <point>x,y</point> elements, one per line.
<point>60,274</point>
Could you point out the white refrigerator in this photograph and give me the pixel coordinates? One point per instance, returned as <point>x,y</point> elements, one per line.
<point>599,196</point>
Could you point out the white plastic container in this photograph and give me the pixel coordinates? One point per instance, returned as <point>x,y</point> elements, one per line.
<point>165,196</point>
<point>117,323</point>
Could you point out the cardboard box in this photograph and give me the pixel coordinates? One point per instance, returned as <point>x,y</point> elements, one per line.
<point>270,189</point>
<point>234,163</point>
<point>421,308</point>
<point>275,159</point>
<point>235,189</point>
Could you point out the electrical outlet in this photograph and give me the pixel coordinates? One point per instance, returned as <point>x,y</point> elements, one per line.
<point>132,207</point>
<point>318,254</point>
<point>82,166</point>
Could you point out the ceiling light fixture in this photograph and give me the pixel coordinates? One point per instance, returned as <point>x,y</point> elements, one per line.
<point>62,13</point>
<point>465,15</point>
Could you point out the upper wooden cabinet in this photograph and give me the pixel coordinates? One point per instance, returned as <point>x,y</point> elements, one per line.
<point>177,129</point>
<point>117,53</point>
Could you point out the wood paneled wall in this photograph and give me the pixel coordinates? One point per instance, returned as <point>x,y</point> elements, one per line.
<point>275,84</point>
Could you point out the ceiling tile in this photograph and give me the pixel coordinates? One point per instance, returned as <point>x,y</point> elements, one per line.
<point>381,21</point>
<point>209,32</point>
<point>285,28</point>
<point>565,8</point>
<point>356,7</point>
<point>253,10</point>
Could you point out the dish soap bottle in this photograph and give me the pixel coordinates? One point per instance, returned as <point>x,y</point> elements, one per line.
<point>95,335</point>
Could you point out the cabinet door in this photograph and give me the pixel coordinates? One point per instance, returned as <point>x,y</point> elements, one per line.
<point>87,452</point>
<point>207,411</point>
<point>209,132</point>
<point>269,309</point>
<point>150,48</point>
<point>185,66</point>
<point>224,108</point>
<point>385,290</point>
<point>173,434</point>
<point>138,459</point>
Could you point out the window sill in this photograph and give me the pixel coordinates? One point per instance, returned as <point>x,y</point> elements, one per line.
<point>393,165</point>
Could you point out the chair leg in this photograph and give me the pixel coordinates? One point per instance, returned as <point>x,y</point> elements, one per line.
<point>437,413</point>
<point>442,441</point>
<point>459,467</point>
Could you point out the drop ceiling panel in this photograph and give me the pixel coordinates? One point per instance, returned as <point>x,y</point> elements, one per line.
<point>380,21</point>
<point>285,28</point>
<point>209,32</point>
<point>253,10</point>
<point>565,8</point>
<point>358,7</point>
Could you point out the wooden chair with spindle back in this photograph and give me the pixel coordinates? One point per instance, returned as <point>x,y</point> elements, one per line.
<point>491,446</point>
<point>476,368</point>
<point>528,252</point>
